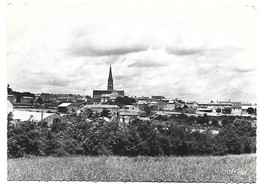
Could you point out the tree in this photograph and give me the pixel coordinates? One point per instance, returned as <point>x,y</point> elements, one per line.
<point>218,110</point>
<point>192,120</point>
<point>214,121</point>
<point>105,113</point>
<point>9,118</point>
<point>147,109</point>
<point>227,110</point>
<point>39,100</point>
<point>236,138</point>
<point>178,108</point>
<point>121,101</point>
<point>250,110</point>
<point>203,119</point>
<point>86,113</point>
<point>185,107</point>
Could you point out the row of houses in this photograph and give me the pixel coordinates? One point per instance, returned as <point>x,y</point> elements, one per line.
<point>161,103</point>
<point>237,108</point>
<point>158,103</point>
<point>47,97</point>
<point>123,115</point>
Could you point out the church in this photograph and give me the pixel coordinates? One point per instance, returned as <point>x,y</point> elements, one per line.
<point>102,96</point>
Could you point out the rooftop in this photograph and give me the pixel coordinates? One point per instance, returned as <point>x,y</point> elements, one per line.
<point>64,105</point>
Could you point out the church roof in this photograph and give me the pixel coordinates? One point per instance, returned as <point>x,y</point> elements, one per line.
<point>100,92</point>
<point>110,77</point>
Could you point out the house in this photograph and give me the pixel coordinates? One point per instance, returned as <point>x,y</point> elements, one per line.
<point>153,105</point>
<point>143,99</point>
<point>177,105</point>
<point>192,104</point>
<point>99,107</point>
<point>12,98</point>
<point>170,105</point>
<point>26,100</point>
<point>213,106</point>
<point>161,104</point>
<point>97,94</point>
<point>236,108</point>
<point>127,115</point>
<point>158,97</point>
<point>105,98</point>
<point>131,108</point>
<point>67,98</point>
<point>21,115</point>
<point>69,107</point>
<point>55,118</point>
<point>46,96</point>
<point>245,106</point>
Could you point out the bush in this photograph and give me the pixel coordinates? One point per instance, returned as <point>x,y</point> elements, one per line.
<point>150,138</point>
<point>226,110</point>
<point>218,110</point>
<point>237,138</point>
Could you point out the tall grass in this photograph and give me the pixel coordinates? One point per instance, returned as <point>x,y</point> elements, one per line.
<point>232,168</point>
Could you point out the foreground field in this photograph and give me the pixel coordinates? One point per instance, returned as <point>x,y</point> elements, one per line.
<point>232,168</point>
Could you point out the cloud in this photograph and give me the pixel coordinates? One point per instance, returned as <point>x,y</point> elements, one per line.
<point>106,38</point>
<point>151,58</point>
<point>239,70</point>
<point>156,51</point>
<point>57,82</point>
<point>105,51</point>
<point>146,64</point>
<point>185,52</point>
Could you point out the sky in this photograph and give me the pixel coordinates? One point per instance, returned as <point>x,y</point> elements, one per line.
<point>200,53</point>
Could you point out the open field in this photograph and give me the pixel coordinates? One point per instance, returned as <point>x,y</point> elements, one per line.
<point>232,168</point>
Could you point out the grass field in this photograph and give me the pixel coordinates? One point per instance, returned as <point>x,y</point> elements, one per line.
<point>232,168</point>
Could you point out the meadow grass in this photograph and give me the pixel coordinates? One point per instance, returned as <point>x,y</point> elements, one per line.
<point>232,168</point>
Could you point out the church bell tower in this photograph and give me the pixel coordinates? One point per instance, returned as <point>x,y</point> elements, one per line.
<point>110,86</point>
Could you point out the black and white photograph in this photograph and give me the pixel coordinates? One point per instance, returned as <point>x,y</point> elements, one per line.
<point>131,92</point>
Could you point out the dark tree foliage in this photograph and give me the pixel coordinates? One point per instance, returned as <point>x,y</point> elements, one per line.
<point>214,122</point>
<point>218,110</point>
<point>147,110</point>
<point>192,120</point>
<point>105,113</point>
<point>23,94</point>
<point>250,110</point>
<point>226,110</point>
<point>151,138</point>
<point>9,118</point>
<point>237,138</point>
<point>203,120</point>
<point>121,101</point>
<point>39,100</point>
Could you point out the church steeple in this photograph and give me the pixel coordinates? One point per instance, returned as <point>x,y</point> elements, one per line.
<point>110,86</point>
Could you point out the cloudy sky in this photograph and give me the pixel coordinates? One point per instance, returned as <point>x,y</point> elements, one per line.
<point>190,52</point>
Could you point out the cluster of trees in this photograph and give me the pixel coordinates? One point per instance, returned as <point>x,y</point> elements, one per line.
<point>194,121</point>
<point>121,101</point>
<point>150,138</point>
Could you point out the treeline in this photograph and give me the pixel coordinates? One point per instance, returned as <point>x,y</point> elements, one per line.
<point>138,138</point>
<point>203,121</point>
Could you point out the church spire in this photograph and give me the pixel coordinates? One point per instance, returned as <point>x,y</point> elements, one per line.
<point>110,86</point>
